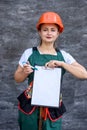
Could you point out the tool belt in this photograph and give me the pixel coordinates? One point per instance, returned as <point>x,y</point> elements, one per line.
<point>48,112</point>
<point>25,103</point>
<point>55,113</point>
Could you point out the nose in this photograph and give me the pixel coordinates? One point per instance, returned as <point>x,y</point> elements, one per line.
<point>49,32</point>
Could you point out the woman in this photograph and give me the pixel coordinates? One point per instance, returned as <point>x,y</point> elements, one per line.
<point>49,27</point>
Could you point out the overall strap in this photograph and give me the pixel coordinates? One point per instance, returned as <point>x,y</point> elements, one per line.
<point>34,48</point>
<point>61,58</point>
<point>59,54</point>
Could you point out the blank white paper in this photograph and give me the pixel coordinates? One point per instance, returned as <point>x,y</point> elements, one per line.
<point>46,87</point>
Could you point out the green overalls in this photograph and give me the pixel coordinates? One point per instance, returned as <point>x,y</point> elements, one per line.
<point>30,121</point>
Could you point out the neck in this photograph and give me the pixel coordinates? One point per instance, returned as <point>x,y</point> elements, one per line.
<point>47,48</point>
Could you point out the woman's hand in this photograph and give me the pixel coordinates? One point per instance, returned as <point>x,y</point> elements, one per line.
<point>22,72</point>
<point>75,68</point>
<point>53,64</point>
<point>27,69</point>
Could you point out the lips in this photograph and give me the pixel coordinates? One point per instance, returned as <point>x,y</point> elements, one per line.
<point>48,37</point>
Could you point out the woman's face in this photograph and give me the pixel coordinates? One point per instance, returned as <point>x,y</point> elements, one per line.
<point>49,33</point>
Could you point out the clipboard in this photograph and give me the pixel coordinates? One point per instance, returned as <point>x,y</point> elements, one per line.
<point>46,87</point>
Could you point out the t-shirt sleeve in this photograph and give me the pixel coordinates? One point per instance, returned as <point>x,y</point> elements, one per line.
<point>67,57</point>
<point>25,56</point>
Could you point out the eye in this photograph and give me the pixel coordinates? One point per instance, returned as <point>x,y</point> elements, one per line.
<point>45,29</point>
<point>53,30</point>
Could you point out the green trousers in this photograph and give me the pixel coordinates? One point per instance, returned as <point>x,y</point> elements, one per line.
<point>30,122</point>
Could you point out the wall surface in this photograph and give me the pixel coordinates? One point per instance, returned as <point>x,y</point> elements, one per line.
<point>17,32</point>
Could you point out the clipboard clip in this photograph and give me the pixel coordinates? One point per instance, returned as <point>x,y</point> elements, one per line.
<point>47,68</point>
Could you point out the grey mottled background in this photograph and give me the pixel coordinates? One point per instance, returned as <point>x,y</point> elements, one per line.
<point>17,32</point>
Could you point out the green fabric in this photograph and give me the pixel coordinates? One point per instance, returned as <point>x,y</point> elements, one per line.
<point>41,59</point>
<point>30,122</point>
<point>49,125</point>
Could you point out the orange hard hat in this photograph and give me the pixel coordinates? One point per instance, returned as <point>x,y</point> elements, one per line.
<point>50,17</point>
